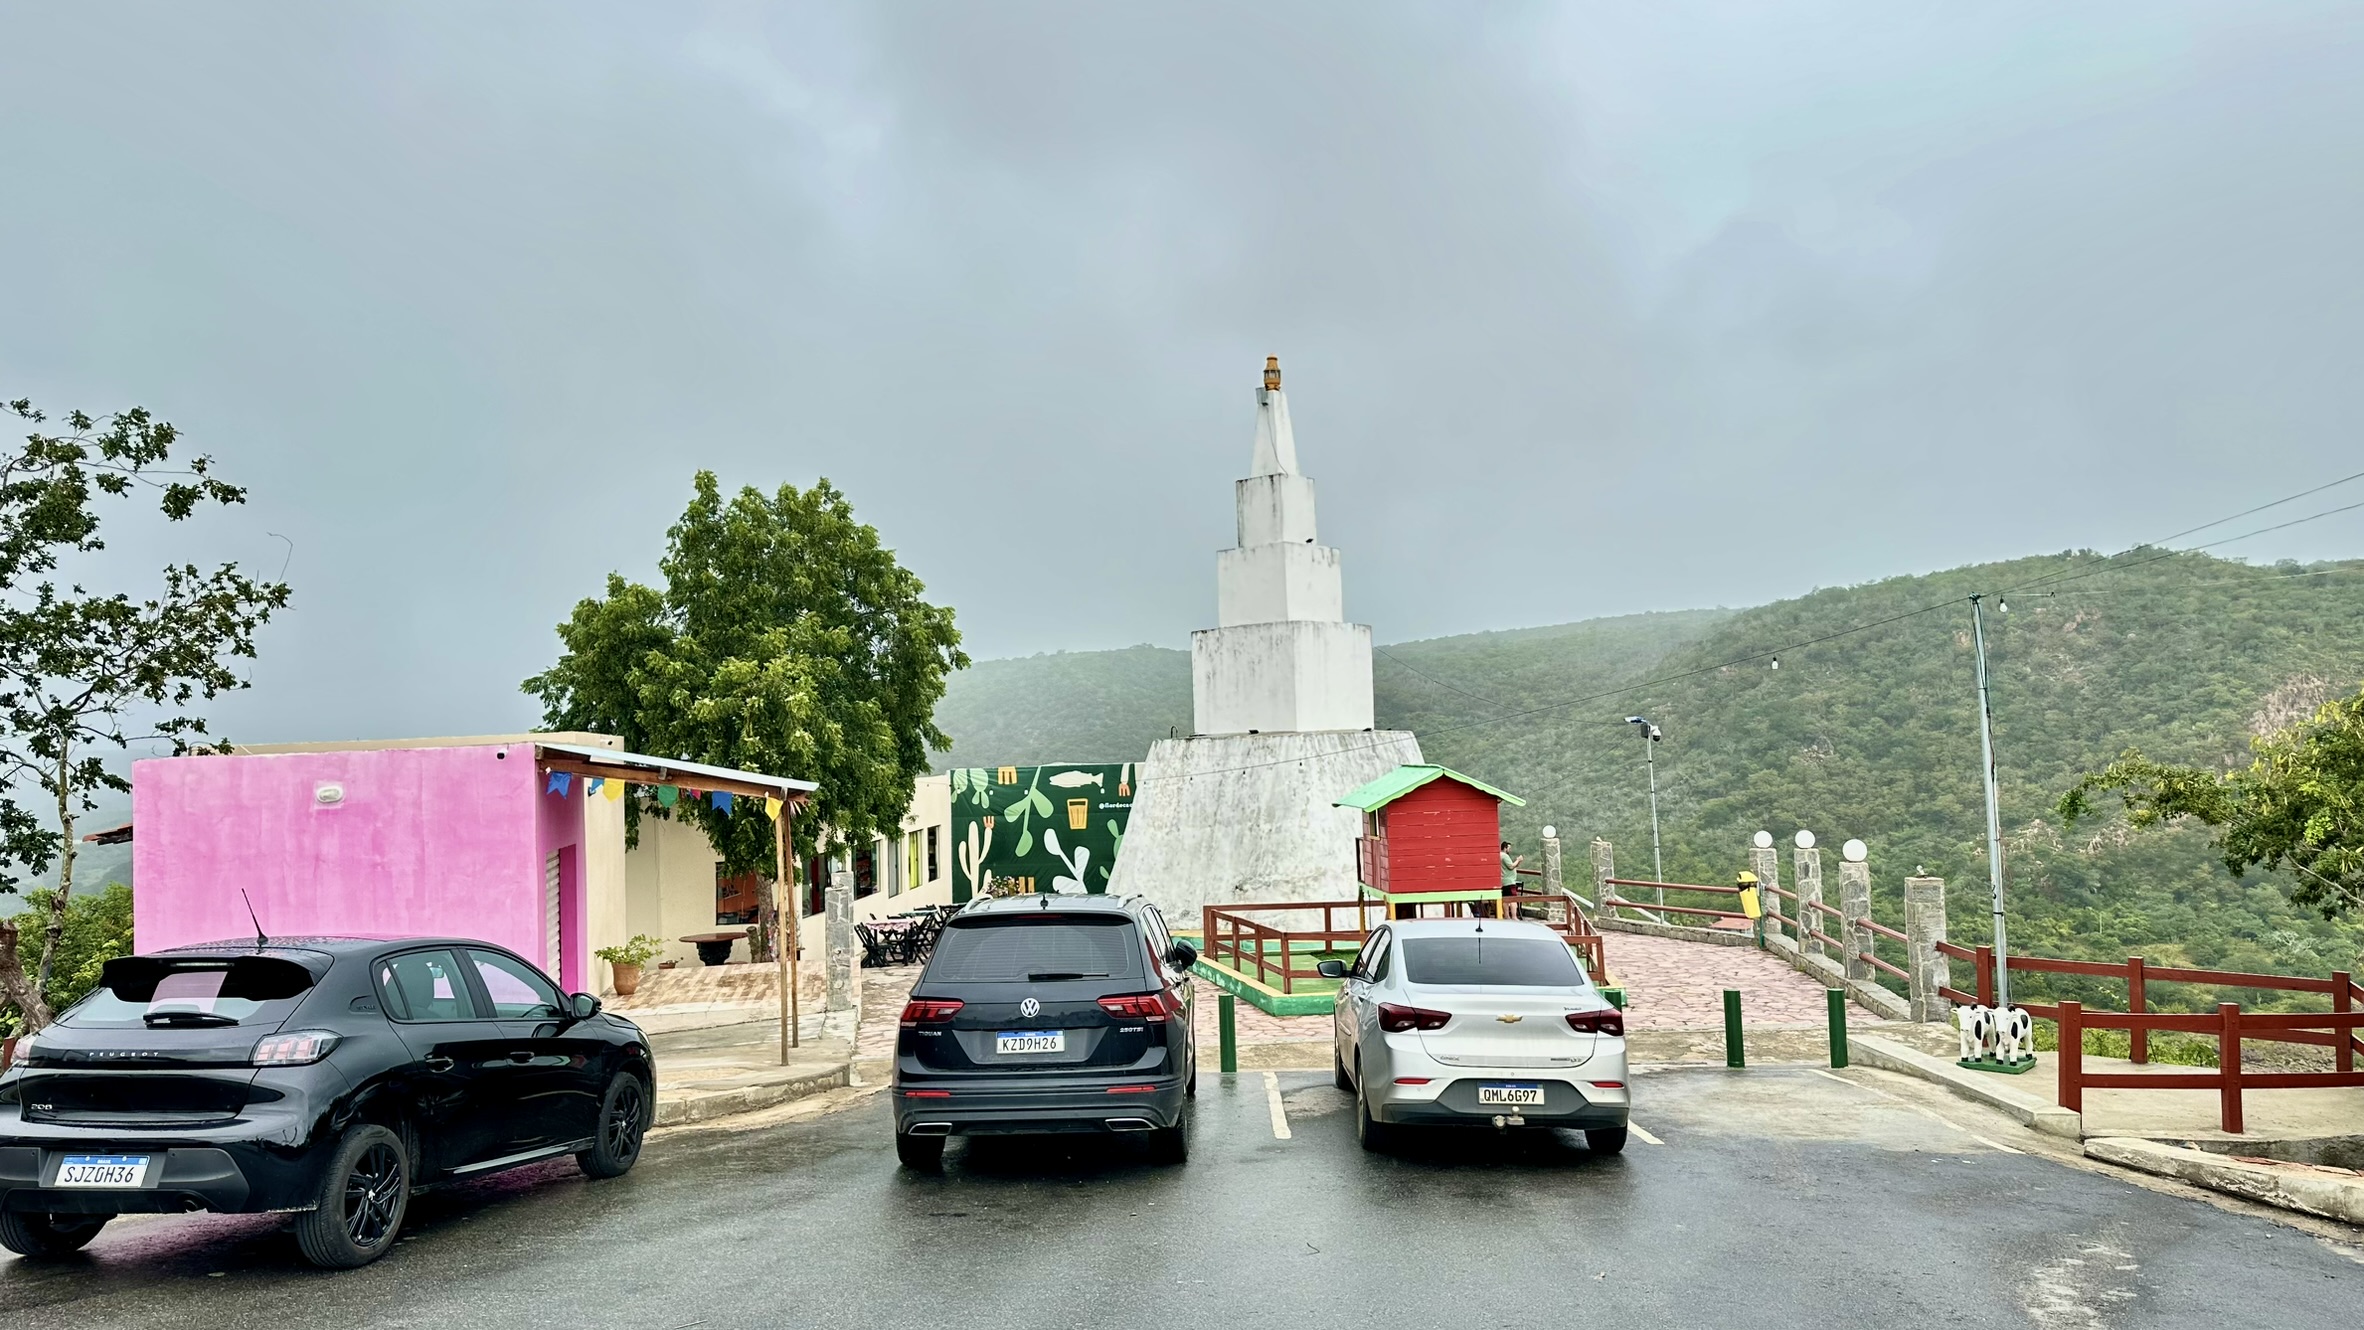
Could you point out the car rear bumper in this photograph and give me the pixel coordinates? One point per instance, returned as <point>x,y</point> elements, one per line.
<point>233,1178</point>
<point>1564,1105</point>
<point>1591,1095</point>
<point>1010,1106</point>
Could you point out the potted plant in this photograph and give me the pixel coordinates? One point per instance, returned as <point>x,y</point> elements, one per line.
<point>627,958</point>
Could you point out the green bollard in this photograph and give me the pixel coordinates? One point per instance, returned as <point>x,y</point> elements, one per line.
<point>1838,1027</point>
<point>1733,1055</point>
<point>1227,1033</point>
<point>1616,997</point>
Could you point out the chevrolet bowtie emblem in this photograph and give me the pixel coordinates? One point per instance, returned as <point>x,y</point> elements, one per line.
<point>1509,1020</point>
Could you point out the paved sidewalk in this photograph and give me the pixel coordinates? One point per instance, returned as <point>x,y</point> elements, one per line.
<point>1675,985</point>
<point>720,1070</point>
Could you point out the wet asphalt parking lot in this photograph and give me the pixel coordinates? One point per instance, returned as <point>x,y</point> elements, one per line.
<point>1779,1197</point>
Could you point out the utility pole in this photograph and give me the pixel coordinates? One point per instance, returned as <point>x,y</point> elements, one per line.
<point>1651,734</point>
<point>1994,821</point>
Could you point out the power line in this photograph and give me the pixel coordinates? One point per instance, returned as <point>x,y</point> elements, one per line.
<point>2246,512</point>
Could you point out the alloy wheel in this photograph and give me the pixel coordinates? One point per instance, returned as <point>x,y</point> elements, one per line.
<point>621,1131</point>
<point>373,1190</point>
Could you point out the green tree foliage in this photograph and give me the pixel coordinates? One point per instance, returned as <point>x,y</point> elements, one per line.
<point>95,929</point>
<point>84,672</point>
<point>2298,806</point>
<point>786,640</point>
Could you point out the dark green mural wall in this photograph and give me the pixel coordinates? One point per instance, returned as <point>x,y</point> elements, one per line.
<point>1030,829</point>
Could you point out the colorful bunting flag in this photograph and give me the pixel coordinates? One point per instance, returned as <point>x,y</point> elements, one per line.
<point>615,789</point>
<point>771,806</point>
<point>560,783</point>
<point>723,801</point>
<point>592,785</point>
<point>668,795</point>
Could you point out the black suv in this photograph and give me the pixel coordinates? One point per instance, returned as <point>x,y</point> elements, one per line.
<point>1048,1014</point>
<point>326,1078</point>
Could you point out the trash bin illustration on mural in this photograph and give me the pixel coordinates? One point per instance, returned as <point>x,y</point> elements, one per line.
<point>1079,814</point>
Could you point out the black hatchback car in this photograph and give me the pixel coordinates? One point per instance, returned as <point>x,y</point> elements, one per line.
<point>1048,1014</point>
<point>326,1078</point>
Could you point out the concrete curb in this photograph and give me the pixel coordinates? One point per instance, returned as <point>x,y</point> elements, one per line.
<point>748,1098</point>
<point>2022,1107</point>
<point>2289,1187</point>
<point>1678,932</point>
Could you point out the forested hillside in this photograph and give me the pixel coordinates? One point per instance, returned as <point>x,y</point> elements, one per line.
<point>1868,733</point>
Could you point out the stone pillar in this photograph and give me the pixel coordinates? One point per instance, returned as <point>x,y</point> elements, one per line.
<point>1551,865</point>
<point>1604,867</point>
<point>1766,864</point>
<point>837,900</point>
<point>1855,904</point>
<point>1924,928</point>
<point>1806,866</point>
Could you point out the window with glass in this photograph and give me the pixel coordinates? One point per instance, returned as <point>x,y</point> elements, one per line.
<point>425,986</point>
<point>518,992</point>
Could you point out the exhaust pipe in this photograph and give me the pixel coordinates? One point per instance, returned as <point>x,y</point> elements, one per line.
<point>1509,1120</point>
<point>1131,1124</point>
<point>931,1129</point>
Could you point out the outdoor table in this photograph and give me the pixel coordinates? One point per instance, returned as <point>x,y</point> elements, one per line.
<point>713,948</point>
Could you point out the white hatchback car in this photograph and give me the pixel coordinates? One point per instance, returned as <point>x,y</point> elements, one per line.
<point>1478,1022</point>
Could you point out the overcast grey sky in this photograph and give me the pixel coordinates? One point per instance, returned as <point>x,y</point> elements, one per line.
<point>1584,309</point>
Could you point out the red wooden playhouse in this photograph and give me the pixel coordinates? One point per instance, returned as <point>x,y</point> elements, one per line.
<point>1431,837</point>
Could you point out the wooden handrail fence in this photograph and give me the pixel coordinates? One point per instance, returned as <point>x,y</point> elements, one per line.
<point>2340,1029</point>
<point>1269,952</point>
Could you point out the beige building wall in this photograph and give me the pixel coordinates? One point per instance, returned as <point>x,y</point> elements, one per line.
<point>606,912</point>
<point>904,881</point>
<point>669,888</point>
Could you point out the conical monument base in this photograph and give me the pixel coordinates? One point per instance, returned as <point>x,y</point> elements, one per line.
<point>1249,817</point>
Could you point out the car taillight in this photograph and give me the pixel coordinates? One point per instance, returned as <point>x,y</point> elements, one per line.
<point>300,1049</point>
<point>1610,1022</point>
<point>1156,1006</point>
<point>1396,1020</point>
<point>929,1011</point>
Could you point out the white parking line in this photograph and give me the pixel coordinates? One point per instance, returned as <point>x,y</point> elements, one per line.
<point>1930,1114</point>
<point>1280,1116</point>
<point>1637,1129</point>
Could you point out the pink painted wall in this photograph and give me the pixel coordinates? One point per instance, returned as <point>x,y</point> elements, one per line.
<point>426,841</point>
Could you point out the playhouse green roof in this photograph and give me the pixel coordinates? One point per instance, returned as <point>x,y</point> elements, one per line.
<point>1405,779</point>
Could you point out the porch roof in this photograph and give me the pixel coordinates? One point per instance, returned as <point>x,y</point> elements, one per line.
<point>611,764</point>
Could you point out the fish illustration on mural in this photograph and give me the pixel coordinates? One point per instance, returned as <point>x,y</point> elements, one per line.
<point>1076,780</point>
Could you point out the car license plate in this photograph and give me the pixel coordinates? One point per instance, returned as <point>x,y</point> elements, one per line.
<point>1510,1094</point>
<point>103,1171</point>
<point>1030,1041</point>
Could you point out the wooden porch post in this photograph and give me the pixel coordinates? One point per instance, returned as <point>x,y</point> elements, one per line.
<point>784,930</point>
<point>2345,1058</point>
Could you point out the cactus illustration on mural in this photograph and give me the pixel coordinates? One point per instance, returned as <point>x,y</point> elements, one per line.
<point>1076,862</point>
<point>970,855</point>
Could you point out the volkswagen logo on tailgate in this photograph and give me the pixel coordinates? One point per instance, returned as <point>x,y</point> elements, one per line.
<point>1030,1007</point>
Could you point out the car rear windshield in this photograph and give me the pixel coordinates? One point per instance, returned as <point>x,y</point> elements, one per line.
<point>166,992</point>
<point>1037,948</point>
<point>1482,962</point>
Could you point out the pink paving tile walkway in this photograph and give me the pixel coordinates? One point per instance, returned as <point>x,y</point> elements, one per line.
<point>1676,985</point>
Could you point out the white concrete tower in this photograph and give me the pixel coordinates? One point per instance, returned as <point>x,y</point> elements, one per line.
<point>1282,658</point>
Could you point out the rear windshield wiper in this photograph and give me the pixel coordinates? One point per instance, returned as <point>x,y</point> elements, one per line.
<point>1045,976</point>
<point>155,1019</point>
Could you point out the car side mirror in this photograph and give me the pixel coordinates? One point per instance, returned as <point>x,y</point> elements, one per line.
<point>1182,955</point>
<point>1330,969</point>
<point>582,1006</point>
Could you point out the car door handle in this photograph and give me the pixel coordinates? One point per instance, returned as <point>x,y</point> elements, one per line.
<point>521,1058</point>
<point>440,1063</point>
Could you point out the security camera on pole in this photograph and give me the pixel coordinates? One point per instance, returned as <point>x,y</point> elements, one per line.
<point>1651,734</point>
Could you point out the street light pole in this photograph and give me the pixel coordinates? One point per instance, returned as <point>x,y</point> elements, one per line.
<point>1651,734</point>
<point>1994,821</point>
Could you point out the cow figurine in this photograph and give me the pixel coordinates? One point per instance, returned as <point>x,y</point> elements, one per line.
<point>1976,1024</point>
<point>2014,1036</point>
